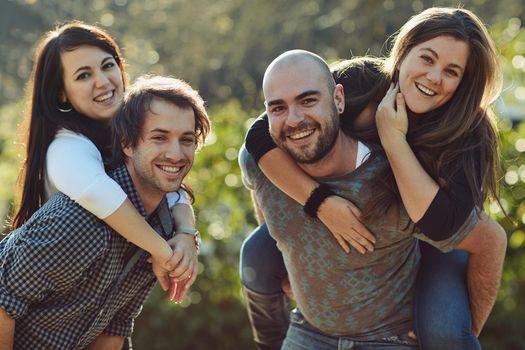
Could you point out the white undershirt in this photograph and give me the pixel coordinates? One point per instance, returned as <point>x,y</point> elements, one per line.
<point>362,154</point>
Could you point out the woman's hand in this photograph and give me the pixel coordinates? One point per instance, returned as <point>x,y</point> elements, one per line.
<point>341,217</point>
<point>391,117</point>
<point>183,276</point>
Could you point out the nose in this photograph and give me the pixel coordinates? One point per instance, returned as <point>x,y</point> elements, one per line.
<point>434,75</point>
<point>101,80</point>
<point>174,152</point>
<point>295,117</point>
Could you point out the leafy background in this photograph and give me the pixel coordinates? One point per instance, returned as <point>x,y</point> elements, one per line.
<point>222,47</point>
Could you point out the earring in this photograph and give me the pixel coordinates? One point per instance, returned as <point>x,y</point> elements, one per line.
<point>65,108</point>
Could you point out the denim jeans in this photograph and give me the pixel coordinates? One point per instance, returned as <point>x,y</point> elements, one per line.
<point>442,311</point>
<point>303,336</point>
<point>442,308</point>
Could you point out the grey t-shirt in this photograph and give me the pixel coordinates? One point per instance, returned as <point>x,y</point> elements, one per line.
<point>364,296</point>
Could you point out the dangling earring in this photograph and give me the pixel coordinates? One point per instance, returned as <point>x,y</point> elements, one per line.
<point>65,108</point>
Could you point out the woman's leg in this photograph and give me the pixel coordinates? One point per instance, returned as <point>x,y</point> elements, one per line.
<point>262,271</point>
<point>441,309</point>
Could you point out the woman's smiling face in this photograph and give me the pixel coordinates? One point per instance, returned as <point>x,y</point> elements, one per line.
<point>431,72</point>
<point>92,82</point>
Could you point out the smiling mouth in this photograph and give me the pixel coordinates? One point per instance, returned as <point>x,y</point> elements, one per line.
<point>425,90</point>
<point>172,170</point>
<point>105,97</point>
<point>301,134</point>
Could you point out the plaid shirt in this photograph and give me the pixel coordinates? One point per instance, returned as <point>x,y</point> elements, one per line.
<point>59,274</point>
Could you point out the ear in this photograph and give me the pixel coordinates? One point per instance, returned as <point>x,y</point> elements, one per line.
<point>127,150</point>
<point>339,98</point>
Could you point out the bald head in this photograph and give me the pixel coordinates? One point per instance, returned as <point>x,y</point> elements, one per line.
<point>305,62</point>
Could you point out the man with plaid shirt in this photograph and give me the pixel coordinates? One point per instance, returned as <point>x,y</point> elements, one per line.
<point>67,281</point>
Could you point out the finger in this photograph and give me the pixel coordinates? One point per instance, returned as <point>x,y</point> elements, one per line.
<point>342,243</point>
<point>358,225</point>
<point>163,281</point>
<point>182,271</point>
<point>401,107</point>
<point>361,249</point>
<point>412,335</point>
<point>175,259</point>
<point>188,283</point>
<point>362,240</point>
<point>173,289</point>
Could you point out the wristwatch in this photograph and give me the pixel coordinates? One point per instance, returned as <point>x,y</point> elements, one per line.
<point>191,231</point>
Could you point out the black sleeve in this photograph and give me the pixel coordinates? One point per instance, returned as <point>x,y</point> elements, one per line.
<point>258,141</point>
<point>449,209</point>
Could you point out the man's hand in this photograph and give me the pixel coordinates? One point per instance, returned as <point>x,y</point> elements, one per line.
<point>185,273</point>
<point>7,330</point>
<point>341,217</point>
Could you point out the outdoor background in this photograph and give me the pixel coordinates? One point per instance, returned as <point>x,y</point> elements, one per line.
<point>222,47</point>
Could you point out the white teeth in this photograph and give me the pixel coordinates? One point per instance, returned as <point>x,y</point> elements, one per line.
<point>170,169</point>
<point>301,134</point>
<point>425,90</point>
<point>104,97</point>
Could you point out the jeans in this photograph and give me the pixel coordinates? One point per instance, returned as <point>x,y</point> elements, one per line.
<point>442,311</point>
<point>303,336</point>
<point>442,308</point>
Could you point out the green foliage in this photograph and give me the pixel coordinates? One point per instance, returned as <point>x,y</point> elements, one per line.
<point>223,47</point>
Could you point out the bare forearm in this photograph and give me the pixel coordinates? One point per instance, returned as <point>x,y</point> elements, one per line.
<point>183,215</point>
<point>284,173</point>
<point>7,330</point>
<point>131,225</point>
<point>107,342</point>
<point>487,245</point>
<point>416,187</point>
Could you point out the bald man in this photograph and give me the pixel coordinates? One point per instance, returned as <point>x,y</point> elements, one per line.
<point>358,300</point>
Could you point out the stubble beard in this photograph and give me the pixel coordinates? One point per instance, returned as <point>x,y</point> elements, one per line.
<point>311,154</point>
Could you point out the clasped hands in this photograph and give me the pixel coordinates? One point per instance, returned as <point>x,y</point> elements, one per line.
<point>177,272</point>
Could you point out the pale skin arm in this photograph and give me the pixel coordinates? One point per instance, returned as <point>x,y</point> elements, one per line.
<point>107,342</point>
<point>7,330</point>
<point>339,215</point>
<point>185,274</point>
<point>392,125</point>
<point>487,245</point>
<point>131,225</point>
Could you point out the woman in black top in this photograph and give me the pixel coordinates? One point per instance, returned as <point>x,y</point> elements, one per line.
<point>443,156</point>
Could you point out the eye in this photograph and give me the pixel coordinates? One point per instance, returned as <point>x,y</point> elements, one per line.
<point>109,65</point>
<point>452,73</point>
<point>82,76</point>
<point>309,101</point>
<point>427,58</point>
<point>158,138</point>
<point>190,140</point>
<point>276,109</point>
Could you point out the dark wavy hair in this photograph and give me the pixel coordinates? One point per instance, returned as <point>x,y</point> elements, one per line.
<point>43,118</point>
<point>127,125</point>
<point>459,136</point>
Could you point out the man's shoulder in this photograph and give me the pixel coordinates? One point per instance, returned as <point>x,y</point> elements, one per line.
<point>251,173</point>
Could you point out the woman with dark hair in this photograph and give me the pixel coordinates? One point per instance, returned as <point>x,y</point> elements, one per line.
<point>76,87</point>
<point>431,104</point>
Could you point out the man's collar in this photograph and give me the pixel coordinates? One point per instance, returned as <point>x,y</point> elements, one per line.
<point>122,177</point>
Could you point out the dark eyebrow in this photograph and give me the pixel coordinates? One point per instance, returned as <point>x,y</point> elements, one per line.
<point>101,63</point>
<point>435,54</point>
<point>298,97</point>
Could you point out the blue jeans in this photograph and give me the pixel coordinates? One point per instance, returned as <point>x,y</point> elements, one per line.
<point>442,310</point>
<point>303,336</point>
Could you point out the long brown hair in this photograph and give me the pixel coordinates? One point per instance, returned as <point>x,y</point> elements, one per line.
<point>44,119</point>
<point>459,136</point>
